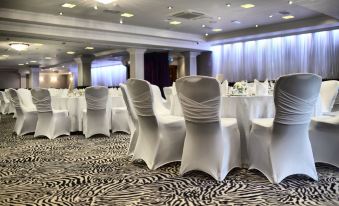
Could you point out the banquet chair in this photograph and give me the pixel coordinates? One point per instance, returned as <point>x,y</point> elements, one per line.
<point>159,102</point>
<point>212,144</point>
<point>96,117</point>
<point>27,117</point>
<point>224,88</point>
<point>281,147</point>
<point>261,88</point>
<point>168,96</point>
<point>133,119</point>
<point>4,103</point>
<point>120,121</point>
<point>328,94</point>
<point>11,106</point>
<point>161,136</point>
<point>51,123</point>
<point>324,136</point>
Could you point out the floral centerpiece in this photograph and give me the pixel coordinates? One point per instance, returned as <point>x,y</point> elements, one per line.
<point>240,87</point>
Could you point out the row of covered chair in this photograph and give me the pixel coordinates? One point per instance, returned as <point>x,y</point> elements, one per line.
<point>278,147</point>
<point>35,113</point>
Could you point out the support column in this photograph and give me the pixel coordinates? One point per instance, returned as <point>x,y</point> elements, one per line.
<point>34,77</point>
<point>23,78</point>
<point>84,69</point>
<point>136,58</point>
<point>190,63</point>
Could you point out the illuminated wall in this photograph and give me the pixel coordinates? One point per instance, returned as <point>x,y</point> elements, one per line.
<point>108,75</point>
<point>270,58</point>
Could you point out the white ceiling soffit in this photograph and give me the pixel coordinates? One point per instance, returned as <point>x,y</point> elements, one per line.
<point>328,7</point>
<point>70,27</point>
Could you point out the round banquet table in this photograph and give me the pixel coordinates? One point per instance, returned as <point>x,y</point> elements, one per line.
<point>77,104</point>
<point>244,109</point>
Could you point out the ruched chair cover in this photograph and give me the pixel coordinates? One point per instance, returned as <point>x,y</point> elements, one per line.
<point>26,119</point>
<point>120,121</point>
<point>281,147</point>
<point>161,137</point>
<point>159,102</point>
<point>324,136</point>
<point>4,103</point>
<point>133,119</point>
<point>11,106</point>
<point>51,123</point>
<point>328,94</point>
<point>95,117</point>
<point>212,144</point>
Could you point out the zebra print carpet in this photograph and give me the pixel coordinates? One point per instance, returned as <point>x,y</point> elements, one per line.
<point>78,171</point>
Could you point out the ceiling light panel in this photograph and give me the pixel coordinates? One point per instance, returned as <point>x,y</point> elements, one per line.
<point>247,6</point>
<point>128,15</point>
<point>105,1</point>
<point>68,5</point>
<point>175,22</point>
<point>288,17</point>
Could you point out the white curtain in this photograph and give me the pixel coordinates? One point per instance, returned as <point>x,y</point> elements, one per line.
<point>108,75</point>
<point>270,58</point>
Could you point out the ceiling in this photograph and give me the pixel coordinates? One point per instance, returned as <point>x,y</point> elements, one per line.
<point>151,14</point>
<point>155,13</point>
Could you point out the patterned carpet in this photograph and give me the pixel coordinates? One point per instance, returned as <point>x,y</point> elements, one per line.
<point>78,171</point>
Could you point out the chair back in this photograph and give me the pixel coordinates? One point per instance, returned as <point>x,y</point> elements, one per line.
<point>14,98</point>
<point>168,92</point>
<point>128,103</point>
<point>42,100</point>
<point>295,96</point>
<point>200,98</point>
<point>96,98</point>
<point>328,94</point>
<point>25,97</point>
<point>141,97</point>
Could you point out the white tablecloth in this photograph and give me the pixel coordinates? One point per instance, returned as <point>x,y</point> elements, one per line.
<point>244,109</point>
<point>76,105</point>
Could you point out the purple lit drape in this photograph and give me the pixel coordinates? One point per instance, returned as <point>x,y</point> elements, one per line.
<point>157,69</point>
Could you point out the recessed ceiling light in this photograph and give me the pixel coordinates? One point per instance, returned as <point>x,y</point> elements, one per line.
<point>175,22</point>
<point>236,22</point>
<point>68,5</point>
<point>121,21</point>
<point>33,61</point>
<point>170,7</point>
<point>89,48</point>
<point>60,13</point>
<point>247,6</point>
<point>206,34</point>
<point>228,5</point>
<point>96,7</point>
<point>48,57</point>
<point>270,16</point>
<point>128,15</point>
<point>21,64</point>
<point>19,46</point>
<point>203,26</point>
<point>219,17</point>
<point>70,52</point>
<point>257,25</point>
<point>105,1</point>
<point>288,17</point>
<point>217,30</point>
<point>290,2</point>
<point>27,63</point>
<point>5,55</point>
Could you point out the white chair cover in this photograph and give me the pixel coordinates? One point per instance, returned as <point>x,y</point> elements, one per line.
<point>212,145</point>
<point>51,123</point>
<point>168,94</point>
<point>324,136</point>
<point>159,102</point>
<point>328,94</point>
<point>280,147</point>
<point>4,103</point>
<point>26,117</point>
<point>120,121</point>
<point>224,88</point>
<point>133,119</point>
<point>11,106</point>
<point>161,137</point>
<point>261,89</point>
<point>96,118</point>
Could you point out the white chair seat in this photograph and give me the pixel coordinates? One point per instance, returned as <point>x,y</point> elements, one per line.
<point>120,120</point>
<point>170,120</point>
<point>265,122</point>
<point>228,122</point>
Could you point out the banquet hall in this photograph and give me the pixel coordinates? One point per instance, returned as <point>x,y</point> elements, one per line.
<point>168,102</point>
